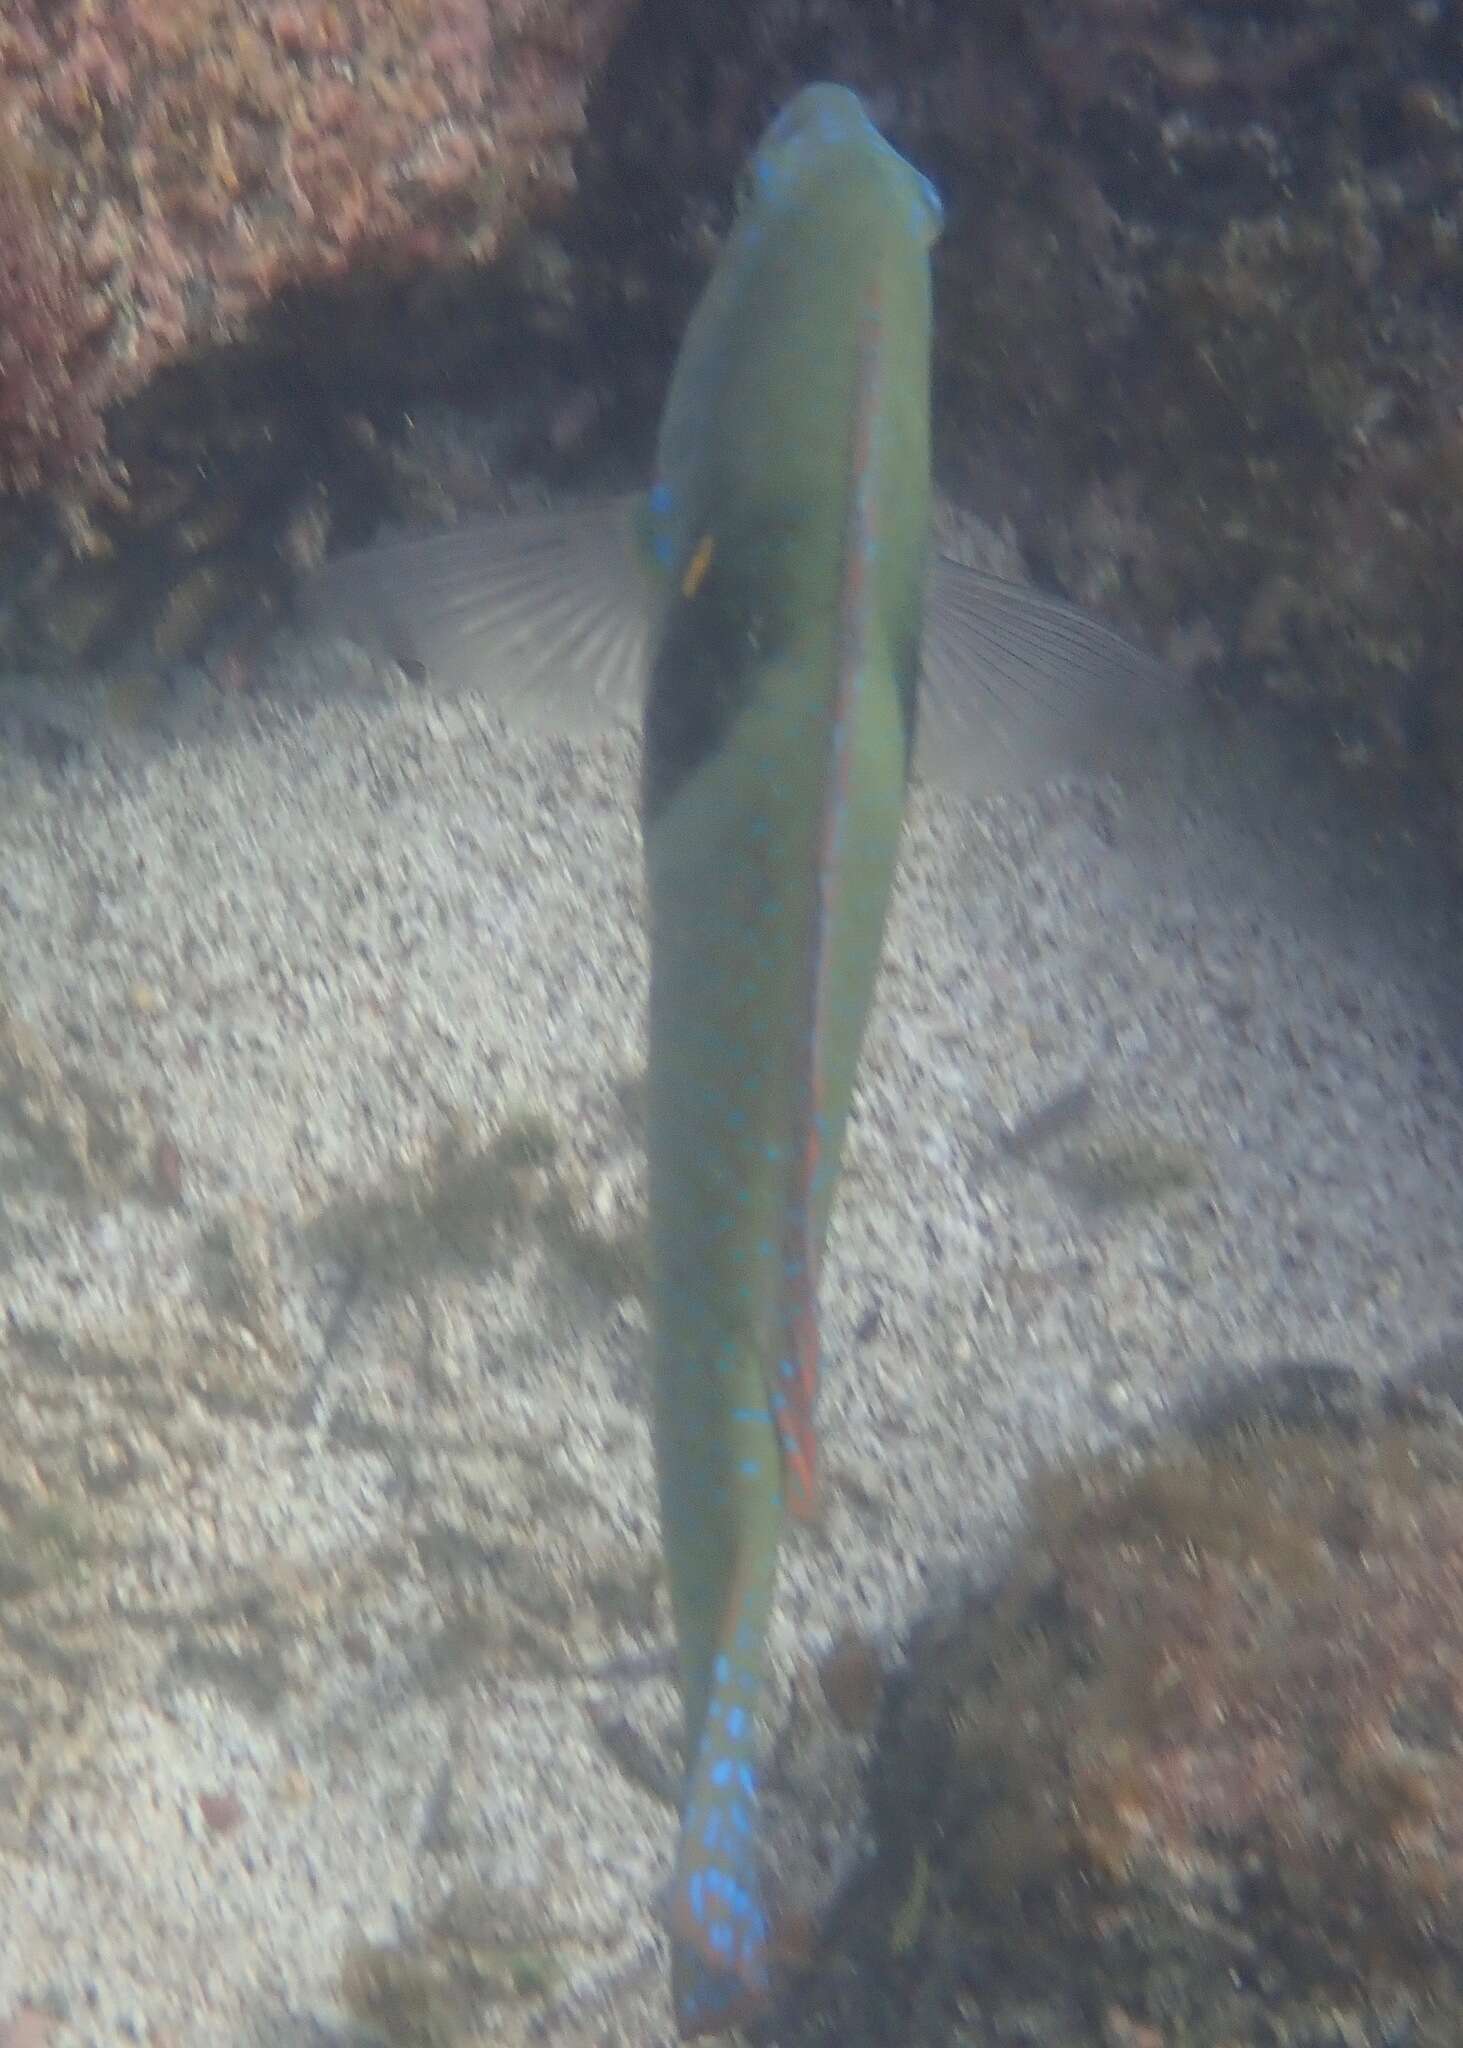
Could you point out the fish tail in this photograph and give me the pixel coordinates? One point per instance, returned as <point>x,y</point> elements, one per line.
<point>719,1945</point>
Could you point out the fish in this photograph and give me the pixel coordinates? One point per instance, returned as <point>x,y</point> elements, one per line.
<point>773,610</point>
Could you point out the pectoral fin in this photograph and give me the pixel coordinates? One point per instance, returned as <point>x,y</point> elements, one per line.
<point>1016,686</point>
<point>548,613</point>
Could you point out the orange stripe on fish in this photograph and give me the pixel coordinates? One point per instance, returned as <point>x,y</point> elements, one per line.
<point>794,1393</point>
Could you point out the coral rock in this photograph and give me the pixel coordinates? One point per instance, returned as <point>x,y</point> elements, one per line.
<point>167,167</point>
<point>1194,1772</point>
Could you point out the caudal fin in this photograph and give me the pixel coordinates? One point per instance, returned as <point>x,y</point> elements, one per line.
<point>718,1927</point>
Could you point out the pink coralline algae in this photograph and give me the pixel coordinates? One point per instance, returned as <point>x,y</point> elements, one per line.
<point>52,335</point>
<point>168,167</point>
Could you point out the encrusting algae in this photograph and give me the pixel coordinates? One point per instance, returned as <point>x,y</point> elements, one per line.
<point>1193,1774</point>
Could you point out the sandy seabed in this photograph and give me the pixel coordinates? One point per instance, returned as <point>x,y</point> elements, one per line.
<point>326,1464</point>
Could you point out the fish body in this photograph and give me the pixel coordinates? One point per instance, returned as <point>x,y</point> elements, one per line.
<point>787,629</point>
<point>791,512</point>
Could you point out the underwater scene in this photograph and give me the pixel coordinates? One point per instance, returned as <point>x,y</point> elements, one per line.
<point>731,959</point>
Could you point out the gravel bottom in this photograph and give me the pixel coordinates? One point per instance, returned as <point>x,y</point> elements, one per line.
<point>326,1492</point>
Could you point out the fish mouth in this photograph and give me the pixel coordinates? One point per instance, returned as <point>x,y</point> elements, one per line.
<point>819,118</point>
<point>832,113</point>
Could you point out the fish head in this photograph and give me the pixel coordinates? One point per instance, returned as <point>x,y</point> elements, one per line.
<point>828,212</point>
<point>819,137</point>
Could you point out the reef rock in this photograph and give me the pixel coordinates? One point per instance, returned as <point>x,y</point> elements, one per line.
<point>1193,1773</point>
<point>169,167</point>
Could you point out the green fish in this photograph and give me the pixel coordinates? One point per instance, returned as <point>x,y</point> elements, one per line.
<point>771,606</point>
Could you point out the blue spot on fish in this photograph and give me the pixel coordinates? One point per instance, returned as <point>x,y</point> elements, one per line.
<point>662,541</point>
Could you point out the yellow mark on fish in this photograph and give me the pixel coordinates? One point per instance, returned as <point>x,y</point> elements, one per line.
<point>699,563</point>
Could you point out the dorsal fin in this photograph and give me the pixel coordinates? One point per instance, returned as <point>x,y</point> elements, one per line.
<point>793,1375</point>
